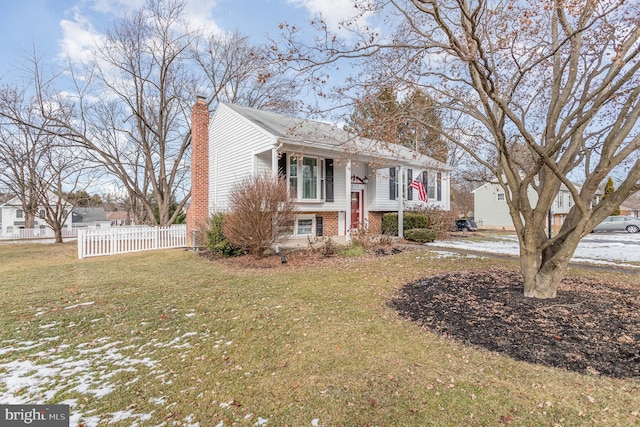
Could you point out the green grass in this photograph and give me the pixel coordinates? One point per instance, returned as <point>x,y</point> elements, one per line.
<point>178,337</point>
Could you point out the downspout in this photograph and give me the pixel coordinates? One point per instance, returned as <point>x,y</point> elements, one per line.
<point>347,213</point>
<point>400,202</point>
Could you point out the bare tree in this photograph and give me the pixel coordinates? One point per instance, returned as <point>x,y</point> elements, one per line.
<point>38,168</point>
<point>261,210</point>
<point>22,149</point>
<point>551,89</point>
<point>128,109</point>
<point>61,171</point>
<point>238,72</point>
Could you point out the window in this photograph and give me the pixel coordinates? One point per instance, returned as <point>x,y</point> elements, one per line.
<point>560,202</point>
<point>305,227</point>
<point>439,186</point>
<point>409,180</point>
<point>306,178</point>
<point>309,178</point>
<point>19,213</point>
<point>569,200</point>
<point>41,213</point>
<point>430,185</point>
<point>500,197</point>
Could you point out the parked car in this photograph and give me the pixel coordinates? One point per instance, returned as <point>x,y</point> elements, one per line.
<point>466,225</point>
<point>629,224</point>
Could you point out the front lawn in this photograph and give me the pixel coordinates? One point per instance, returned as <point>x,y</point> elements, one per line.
<point>170,338</point>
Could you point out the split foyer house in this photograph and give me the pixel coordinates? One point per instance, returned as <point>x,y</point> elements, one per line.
<point>340,181</point>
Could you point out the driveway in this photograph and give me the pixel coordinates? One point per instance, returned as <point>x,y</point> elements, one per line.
<point>610,249</point>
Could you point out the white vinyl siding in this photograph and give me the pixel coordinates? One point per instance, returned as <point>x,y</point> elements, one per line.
<point>232,142</point>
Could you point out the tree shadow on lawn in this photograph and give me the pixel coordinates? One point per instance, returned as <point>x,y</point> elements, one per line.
<point>590,326</point>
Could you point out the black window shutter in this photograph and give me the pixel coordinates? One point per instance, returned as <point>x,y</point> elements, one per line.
<point>409,179</point>
<point>328,173</point>
<point>319,226</point>
<point>282,165</point>
<point>392,183</point>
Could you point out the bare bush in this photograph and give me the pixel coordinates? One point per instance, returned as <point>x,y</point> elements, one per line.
<point>261,211</point>
<point>368,240</point>
<point>322,245</point>
<point>440,221</point>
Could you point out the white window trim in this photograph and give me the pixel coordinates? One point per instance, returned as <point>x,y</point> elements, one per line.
<point>313,225</point>
<point>320,178</point>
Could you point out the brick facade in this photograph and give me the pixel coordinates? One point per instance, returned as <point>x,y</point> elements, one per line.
<point>198,212</point>
<point>329,222</point>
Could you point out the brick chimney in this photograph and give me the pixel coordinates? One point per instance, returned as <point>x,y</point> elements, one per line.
<point>198,212</point>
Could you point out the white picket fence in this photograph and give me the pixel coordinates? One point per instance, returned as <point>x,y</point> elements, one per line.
<point>121,240</point>
<point>36,233</point>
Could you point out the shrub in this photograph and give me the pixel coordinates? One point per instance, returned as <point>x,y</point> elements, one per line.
<point>261,210</point>
<point>422,235</point>
<point>410,220</point>
<point>441,221</point>
<point>216,240</point>
<point>323,245</point>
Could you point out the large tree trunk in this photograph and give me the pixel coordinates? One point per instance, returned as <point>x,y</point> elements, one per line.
<point>57,231</point>
<point>541,282</point>
<point>543,266</point>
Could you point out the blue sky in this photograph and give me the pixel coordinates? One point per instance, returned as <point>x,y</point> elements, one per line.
<point>60,27</point>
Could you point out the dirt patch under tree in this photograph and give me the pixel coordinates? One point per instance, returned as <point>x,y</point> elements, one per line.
<point>590,327</point>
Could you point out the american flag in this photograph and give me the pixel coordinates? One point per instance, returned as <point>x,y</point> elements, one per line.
<point>419,187</point>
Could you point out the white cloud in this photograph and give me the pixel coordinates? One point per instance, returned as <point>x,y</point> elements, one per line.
<point>334,12</point>
<point>79,32</point>
<point>116,7</point>
<point>78,36</point>
<point>199,13</point>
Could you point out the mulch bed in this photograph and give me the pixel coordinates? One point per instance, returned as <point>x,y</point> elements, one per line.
<point>590,327</point>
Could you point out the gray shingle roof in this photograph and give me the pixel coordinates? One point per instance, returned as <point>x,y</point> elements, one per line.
<point>317,134</point>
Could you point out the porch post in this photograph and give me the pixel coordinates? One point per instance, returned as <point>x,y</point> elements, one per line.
<point>347,213</point>
<point>400,201</point>
<point>274,162</point>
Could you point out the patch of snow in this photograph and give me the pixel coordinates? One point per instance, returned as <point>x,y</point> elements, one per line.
<point>261,421</point>
<point>79,305</point>
<point>47,326</point>
<point>617,249</point>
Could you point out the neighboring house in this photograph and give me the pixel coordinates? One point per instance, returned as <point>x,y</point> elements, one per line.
<point>341,181</point>
<point>90,218</point>
<point>118,218</point>
<point>631,206</point>
<point>12,220</point>
<point>491,210</point>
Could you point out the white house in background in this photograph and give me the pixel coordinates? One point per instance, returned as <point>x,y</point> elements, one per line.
<point>341,181</point>
<point>12,220</point>
<point>90,218</point>
<point>491,210</point>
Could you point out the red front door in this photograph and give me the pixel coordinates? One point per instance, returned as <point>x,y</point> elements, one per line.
<point>355,209</point>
